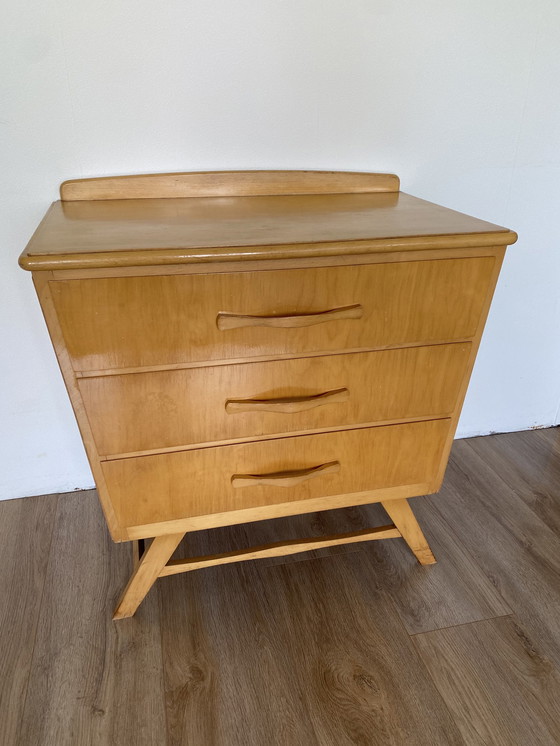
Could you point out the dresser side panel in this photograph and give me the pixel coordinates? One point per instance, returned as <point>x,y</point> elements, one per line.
<point>499,257</point>
<point>42,282</point>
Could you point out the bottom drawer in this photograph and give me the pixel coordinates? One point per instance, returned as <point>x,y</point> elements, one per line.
<point>172,486</point>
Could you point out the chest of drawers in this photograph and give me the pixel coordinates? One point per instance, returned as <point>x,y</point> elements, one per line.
<point>240,346</point>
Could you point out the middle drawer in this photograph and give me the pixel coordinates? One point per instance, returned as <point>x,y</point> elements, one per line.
<point>139,412</point>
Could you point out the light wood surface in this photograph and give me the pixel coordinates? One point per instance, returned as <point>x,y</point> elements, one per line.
<point>470,365</point>
<point>402,516</point>
<point>175,409</point>
<point>276,510</point>
<point>226,321</point>
<point>81,374</point>
<point>320,253</point>
<point>292,376</point>
<point>226,184</point>
<point>42,284</point>
<point>288,404</point>
<point>162,231</point>
<point>286,477</point>
<point>145,573</point>
<point>462,248</point>
<point>279,549</point>
<point>170,320</point>
<point>171,486</point>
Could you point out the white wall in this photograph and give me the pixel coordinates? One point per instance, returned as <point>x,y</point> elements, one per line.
<point>459,97</point>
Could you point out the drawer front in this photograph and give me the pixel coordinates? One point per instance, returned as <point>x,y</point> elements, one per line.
<point>164,487</point>
<point>148,321</point>
<point>165,409</point>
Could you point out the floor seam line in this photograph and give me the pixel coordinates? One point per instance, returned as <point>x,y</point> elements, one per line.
<point>462,624</point>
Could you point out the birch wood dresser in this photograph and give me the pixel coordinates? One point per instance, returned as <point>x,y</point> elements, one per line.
<point>239,346</point>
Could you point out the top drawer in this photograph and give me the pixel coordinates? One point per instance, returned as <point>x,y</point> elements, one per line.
<point>129,322</point>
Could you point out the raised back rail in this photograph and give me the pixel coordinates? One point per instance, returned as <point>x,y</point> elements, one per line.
<point>227,184</point>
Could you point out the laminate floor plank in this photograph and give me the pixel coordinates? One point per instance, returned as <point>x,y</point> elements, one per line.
<point>302,653</point>
<point>229,679</point>
<point>530,470</point>
<point>500,687</point>
<point>361,678</point>
<point>518,553</point>
<point>550,436</point>
<point>26,527</point>
<point>453,591</point>
<point>92,681</point>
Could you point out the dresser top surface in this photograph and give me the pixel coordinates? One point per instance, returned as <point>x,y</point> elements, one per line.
<point>127,232</point>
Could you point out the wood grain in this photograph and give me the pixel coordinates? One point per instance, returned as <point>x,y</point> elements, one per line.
<point>146,571</point>
<point>279,549</point>
<point>275,510</point>
<point>146,262</point>
<point>530,471</point>
<point>404,303</point>
<point>352,683</point>
<point>26,528</point>
<point>42,286</point>
<point>285,477</point>
<point>136,232</point>
<point>176,321</point>
<point>550,439</point>
<point>92,681</point>
<point>404,519</point>
<point>508,691</point>
<point>288,404</point>
<point>172,486</point>
<point>317,525</point>
<point>518,552</point>
<point>211,621</point>
<point>452,592</point>
<point>345,258</point>
<point>470,365</point>
<point>174,409</point>
<point>226,184</point>
<point>225,321</point>
<point>363,681</point>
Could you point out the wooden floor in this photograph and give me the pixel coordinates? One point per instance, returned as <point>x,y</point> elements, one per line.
<point>352,645</point>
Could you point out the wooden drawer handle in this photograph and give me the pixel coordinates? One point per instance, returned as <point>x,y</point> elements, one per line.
<point>284,478</point>
<point>227,320</point>
<point>287,405</point>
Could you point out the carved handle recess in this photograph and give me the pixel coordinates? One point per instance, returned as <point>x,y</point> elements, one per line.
<point>288,404</point>
<point>284,478</point>
<point>226,320</point>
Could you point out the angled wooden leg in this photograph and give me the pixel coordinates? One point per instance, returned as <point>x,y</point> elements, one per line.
<point>402,516</point>
<point>146,572</point>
